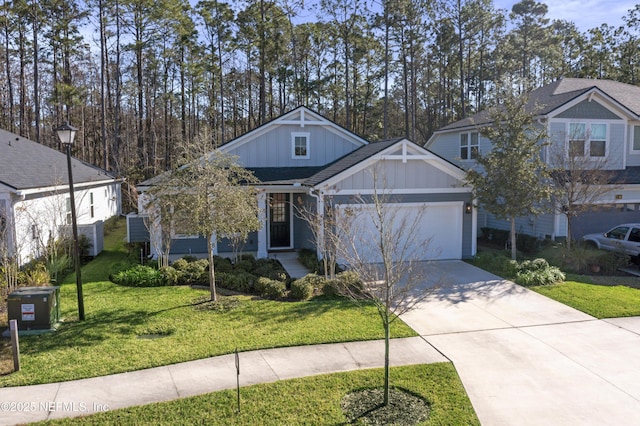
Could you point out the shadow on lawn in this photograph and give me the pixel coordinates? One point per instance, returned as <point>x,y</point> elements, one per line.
<point>94,329</point>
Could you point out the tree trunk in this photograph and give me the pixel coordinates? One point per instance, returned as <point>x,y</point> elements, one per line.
<point>212,273</point>
<point>513,238</point>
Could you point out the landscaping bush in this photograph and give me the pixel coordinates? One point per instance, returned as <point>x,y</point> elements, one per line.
<point>611,261</point>
<point>527,243</point>
<point>303,288</point>
<point>270,289</point>
<point>246,265</point>
<point>171,275</point>
<point>498,237</point>
<point>496,263</point>
<point>36,275</point>
<point>192,272</point>
<point>242,282</point>
<point>309,259</point>
<point>537,272</point>
<point>222,264</point>
<point>140,276</point>
<point>270,268</point>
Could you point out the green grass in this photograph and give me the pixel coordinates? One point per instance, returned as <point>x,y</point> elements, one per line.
<point>596,300</point>
<point>108,341</point>
<point>307,401</point>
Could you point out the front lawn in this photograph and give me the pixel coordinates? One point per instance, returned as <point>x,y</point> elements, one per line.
<point>600,301</point>
<point>129,328</point>
<point>310,400</point>
<point>601,296</point>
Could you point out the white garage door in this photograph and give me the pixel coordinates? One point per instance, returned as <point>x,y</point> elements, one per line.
<point>428,231</point>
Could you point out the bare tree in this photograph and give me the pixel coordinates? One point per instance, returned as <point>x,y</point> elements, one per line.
<point>318,222</point>
<point>377,239</point>
<point>579,181</point>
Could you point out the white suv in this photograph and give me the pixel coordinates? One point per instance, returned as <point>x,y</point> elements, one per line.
<point>624,238</point>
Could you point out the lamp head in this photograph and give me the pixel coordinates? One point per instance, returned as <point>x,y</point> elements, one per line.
<point>66,133</point>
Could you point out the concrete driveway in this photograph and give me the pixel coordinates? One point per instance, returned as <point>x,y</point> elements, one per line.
<point>525,359</point>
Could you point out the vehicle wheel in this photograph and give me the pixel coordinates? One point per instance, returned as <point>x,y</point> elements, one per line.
<point>591,245</point>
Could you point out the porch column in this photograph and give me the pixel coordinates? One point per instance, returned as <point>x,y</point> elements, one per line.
<point>262,232</point>
<point>320,215</point>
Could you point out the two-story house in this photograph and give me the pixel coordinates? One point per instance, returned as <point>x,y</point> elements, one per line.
<point>597,121</point>
<point>301,158</point>
<point>35,205</point>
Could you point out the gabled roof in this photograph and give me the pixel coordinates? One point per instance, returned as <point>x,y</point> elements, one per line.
<point>301,116</point>
<point>546,99</point>
<point>25,164</point>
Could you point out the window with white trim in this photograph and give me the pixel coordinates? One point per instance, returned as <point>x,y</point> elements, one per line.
<point>91,207</point>
<point>587,140</point>
<point>469,145</point>
<point>300,146</point>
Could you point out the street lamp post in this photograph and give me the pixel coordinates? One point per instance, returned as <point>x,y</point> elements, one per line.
<point>67,134</point>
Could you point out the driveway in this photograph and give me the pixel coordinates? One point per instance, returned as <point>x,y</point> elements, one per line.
<point>525,359</point>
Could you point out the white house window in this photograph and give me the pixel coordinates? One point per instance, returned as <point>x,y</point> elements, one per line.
<point>300,146</point>
<point>587,140</point>
<point>91,209</point>
<point>469,146</point>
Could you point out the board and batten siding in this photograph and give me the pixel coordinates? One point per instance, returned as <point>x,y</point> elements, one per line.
<point>615,144</point>
<point>273,148</point>
<point>591,110</point>
<point>398,175</point>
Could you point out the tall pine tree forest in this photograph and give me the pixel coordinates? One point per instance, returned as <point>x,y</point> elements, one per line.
<point>147,80</point>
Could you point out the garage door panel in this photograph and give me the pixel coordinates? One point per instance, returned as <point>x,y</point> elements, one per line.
<point>421,231</point>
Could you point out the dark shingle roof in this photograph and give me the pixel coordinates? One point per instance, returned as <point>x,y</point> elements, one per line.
<point>629,176</point>
<point>283,175</point>
<point>25,164</point>
<point>552,96</point>
<point>350,160</point>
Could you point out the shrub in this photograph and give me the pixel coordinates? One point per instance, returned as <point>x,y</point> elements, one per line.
<point>496,263</point>
<point>611,261</point>
<point>171,275</point>
<point>222,264</point>
<point>302,289</point>
<point>195,272</point>
<point>347,283</point>
<point>36,275</point>
<point>242,282</point>
<point>527,243</point>
<point>270,268</point>
<point>537,272</point>
<point>245,265</point>
<point>270,289</point>
<point>140,276</point>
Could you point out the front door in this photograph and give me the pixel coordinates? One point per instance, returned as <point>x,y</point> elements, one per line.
<point>279,221</point>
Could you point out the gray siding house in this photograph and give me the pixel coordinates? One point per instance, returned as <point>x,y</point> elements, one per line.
<point>597,121</point>
<point>301,157</point>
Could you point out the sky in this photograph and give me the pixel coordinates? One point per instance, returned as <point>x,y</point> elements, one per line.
<point>586,14</point>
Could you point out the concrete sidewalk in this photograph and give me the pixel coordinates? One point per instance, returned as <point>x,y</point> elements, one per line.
<point>81,397</point>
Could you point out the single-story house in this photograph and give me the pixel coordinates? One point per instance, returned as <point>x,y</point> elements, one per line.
<point>303,158</point>
<point>34,197</point>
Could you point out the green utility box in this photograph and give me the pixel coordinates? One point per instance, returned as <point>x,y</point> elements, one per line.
<point>35,308</point>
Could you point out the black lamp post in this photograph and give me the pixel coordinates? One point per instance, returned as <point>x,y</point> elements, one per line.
<point>67,134</point>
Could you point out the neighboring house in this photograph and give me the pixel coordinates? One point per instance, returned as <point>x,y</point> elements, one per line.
<point>34,197</point>
<point>595,120</point>
<point>301,157</point>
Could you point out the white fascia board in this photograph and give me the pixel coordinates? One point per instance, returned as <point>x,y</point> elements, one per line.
<point>65,186</point>
<point>402,191</point>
